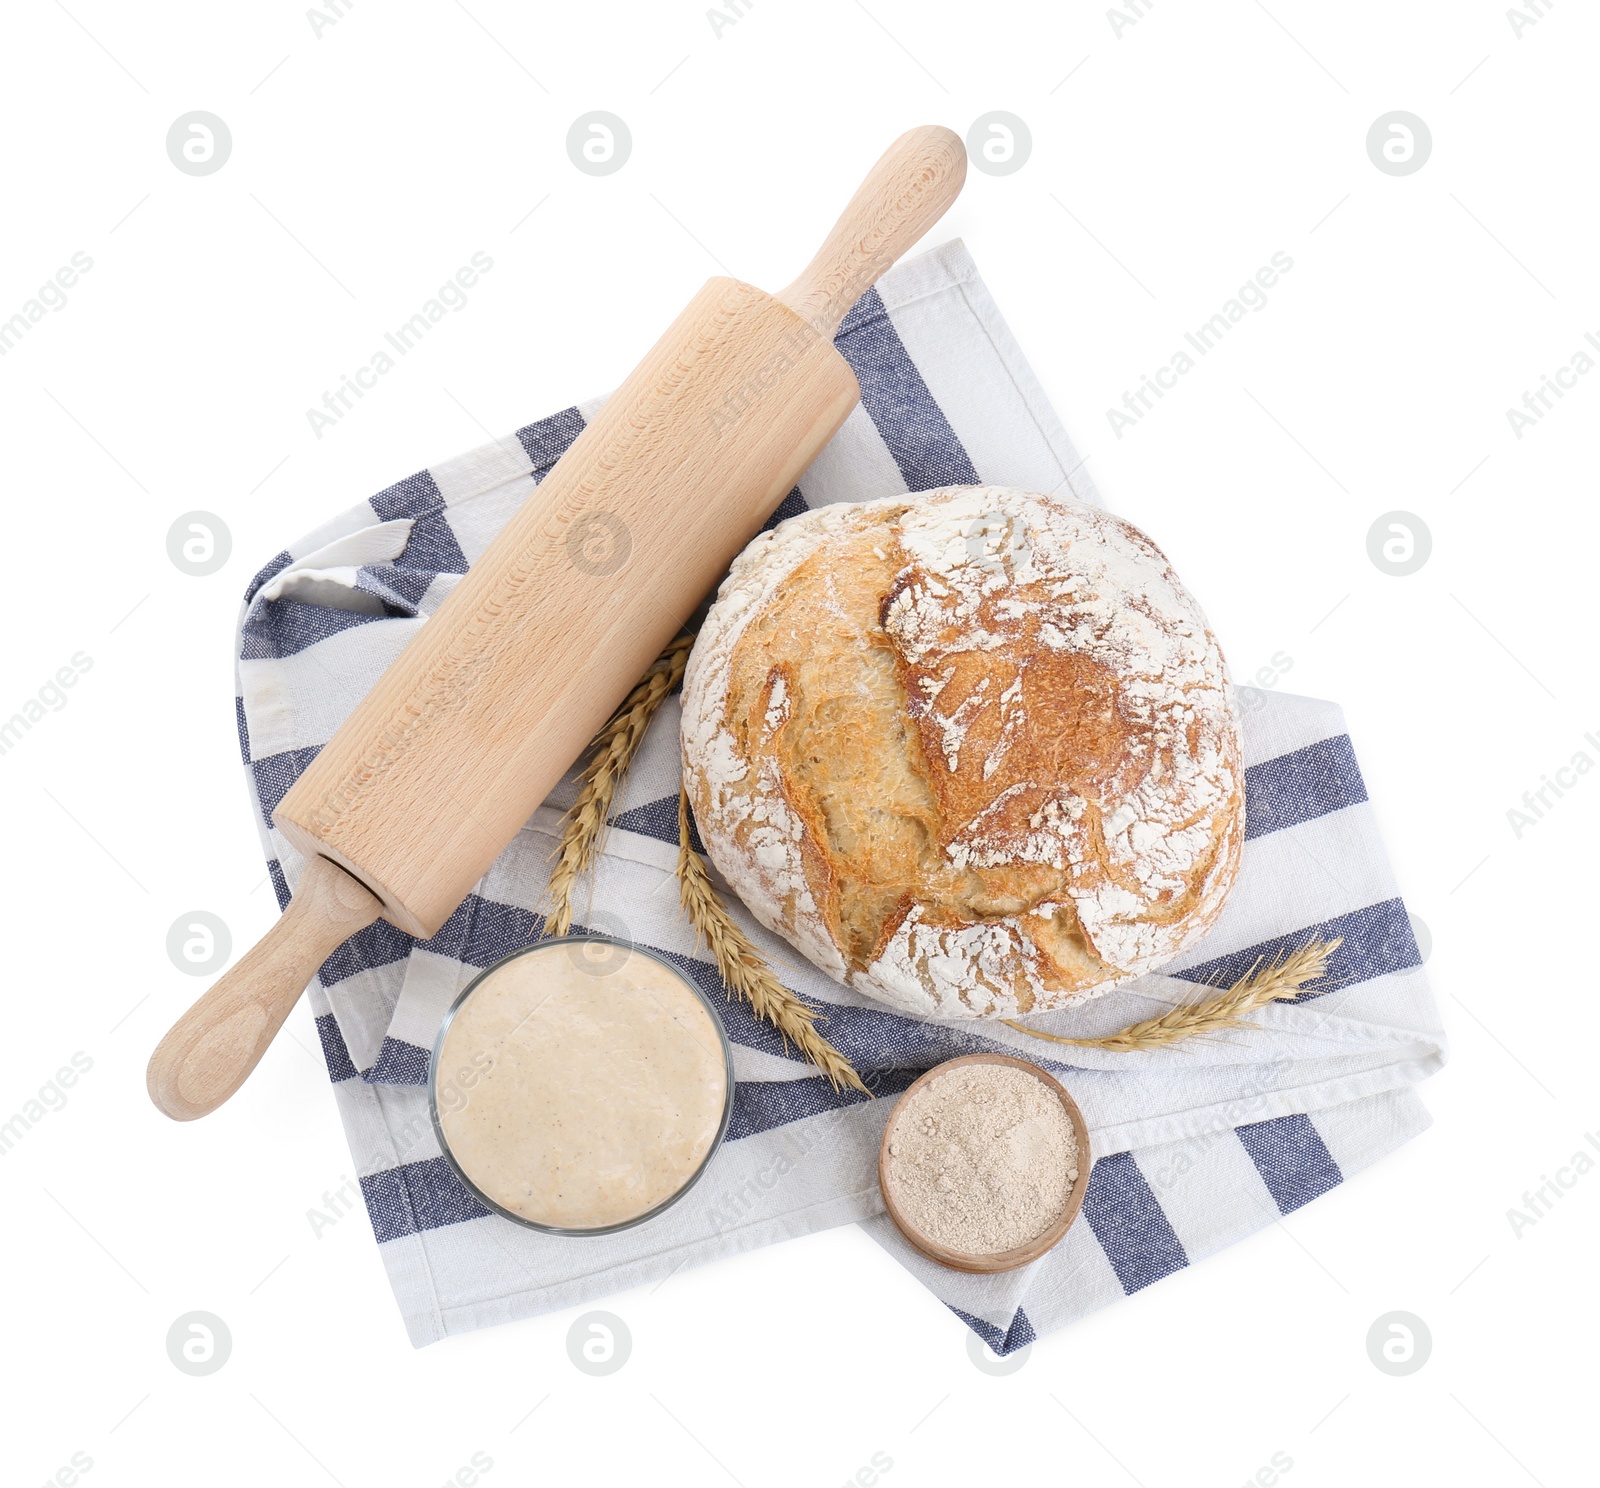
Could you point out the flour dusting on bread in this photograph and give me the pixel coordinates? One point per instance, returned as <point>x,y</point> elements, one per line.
<point>972,751</point>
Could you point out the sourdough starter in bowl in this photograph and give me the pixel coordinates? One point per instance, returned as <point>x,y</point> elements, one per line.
<point>581,1085</point>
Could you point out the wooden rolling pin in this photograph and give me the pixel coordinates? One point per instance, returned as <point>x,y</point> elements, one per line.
<point>473,724</point>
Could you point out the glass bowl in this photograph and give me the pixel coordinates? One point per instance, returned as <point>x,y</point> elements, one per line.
<point>617,952</point>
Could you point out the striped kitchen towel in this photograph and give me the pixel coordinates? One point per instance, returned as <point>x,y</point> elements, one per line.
<point>1196,1146</point>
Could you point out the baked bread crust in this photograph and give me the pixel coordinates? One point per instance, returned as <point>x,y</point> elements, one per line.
<point>973,751</point>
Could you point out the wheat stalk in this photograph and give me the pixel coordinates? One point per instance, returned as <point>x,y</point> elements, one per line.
<point>1229,1009</point>
<point>745,970</point>
<point>742,966</point>
<point>610,752</point>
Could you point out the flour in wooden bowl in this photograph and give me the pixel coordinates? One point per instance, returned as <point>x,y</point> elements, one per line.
<point>982,1159</point>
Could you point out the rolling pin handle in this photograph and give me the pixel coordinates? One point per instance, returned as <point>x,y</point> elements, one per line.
<point>904,194</point>
<point>211,1049</point>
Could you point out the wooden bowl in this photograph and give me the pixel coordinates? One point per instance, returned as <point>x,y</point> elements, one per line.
<point>1000,1260</point>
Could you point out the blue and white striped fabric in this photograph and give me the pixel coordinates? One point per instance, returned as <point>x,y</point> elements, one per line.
<point>1195,1146</point>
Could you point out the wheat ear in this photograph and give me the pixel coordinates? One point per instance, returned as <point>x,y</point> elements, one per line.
<point>610,753</point>
<point>1229,1009</point>
<point>745,970</point>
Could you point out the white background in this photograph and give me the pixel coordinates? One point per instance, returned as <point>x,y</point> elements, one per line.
<point>369,163</point>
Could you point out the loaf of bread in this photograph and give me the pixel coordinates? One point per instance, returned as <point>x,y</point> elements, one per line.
<point>973,751</point>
